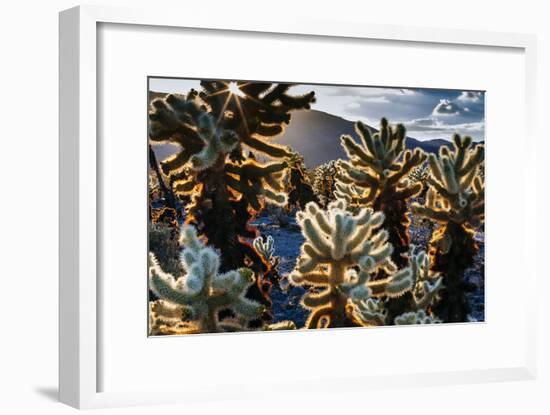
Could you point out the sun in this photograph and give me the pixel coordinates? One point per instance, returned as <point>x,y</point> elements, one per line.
<point>234,89</point>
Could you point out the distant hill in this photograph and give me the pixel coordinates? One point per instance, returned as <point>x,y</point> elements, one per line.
<point>153,95</point>
<point>315,135</point>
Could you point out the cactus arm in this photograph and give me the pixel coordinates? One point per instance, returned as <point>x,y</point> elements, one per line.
<point>247,308</point>
<point>164,287</point>
<point>314,300</point>
<point>314,319</point>
<point>311,278</point>
<point>416,317</point>
<point>272,150</point>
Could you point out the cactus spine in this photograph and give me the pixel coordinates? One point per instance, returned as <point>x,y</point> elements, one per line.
<point>455,200</point>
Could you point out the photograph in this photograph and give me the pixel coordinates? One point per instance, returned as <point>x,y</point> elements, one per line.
<point>292,206</point>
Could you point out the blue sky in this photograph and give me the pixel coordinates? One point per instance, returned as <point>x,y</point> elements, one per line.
<point>427,113</point>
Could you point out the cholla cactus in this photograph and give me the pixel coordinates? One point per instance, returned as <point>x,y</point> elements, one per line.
<point>300,192</point>
<point>266,248</point>
<point>164,233</point>
<point>352,194</point>
<point>166,318</point>
<point>206,145</point>
<point>416,317</point>
<point>282,325</point>
<point>212,129</point>
<point>367,311</point>
<point>426,283</point>
<point>455,199</point>
<point>417,280</point>
<point>324,182</point>
<point>376,176</point>
<point>341,252</point>
<point>177,119</point>
<point>251,181</point>
<point>419,174</point>
<point>456,192</point>
<point>202,290</point>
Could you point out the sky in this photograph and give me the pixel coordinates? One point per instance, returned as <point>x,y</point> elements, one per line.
<point>426,113</point>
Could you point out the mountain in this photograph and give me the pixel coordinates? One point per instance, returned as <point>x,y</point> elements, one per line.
<point>315,135</point>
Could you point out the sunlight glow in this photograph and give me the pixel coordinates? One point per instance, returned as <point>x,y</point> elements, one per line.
<point>234,89</point>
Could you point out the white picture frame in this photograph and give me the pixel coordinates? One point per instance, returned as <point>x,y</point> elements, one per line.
<point>79,197</point>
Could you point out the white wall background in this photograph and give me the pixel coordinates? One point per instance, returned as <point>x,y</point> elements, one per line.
<point>28,212</point>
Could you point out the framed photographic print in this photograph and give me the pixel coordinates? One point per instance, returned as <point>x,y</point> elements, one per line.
<point>346,197</point>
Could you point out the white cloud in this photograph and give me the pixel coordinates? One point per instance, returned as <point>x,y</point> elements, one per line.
<point>423,122</point>
<point>446,107</point>
<point>435,124</point>
<point>368,92</point>
<point>470,96</point>
<point>427,128</point>
<point>376,99</point>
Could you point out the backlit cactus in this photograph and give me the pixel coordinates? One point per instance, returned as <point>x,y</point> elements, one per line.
<point>419,175</point>
<point>282,325</point>
<point>324,182</point>
<point>374,307</point>
<point>416,317</point>
<point>300,192</point>
<point>455,200</point>
<point>341,252</point>
<point>252,181</point>
<point>164,231</point>
<point>205,145</point>
<point>376,175</point>
<point>264,248</point>
<point>166,318</point>
<point>165,191</point>
<point>426,283</point>
<point>212,130</point>
<point>203,291</point>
